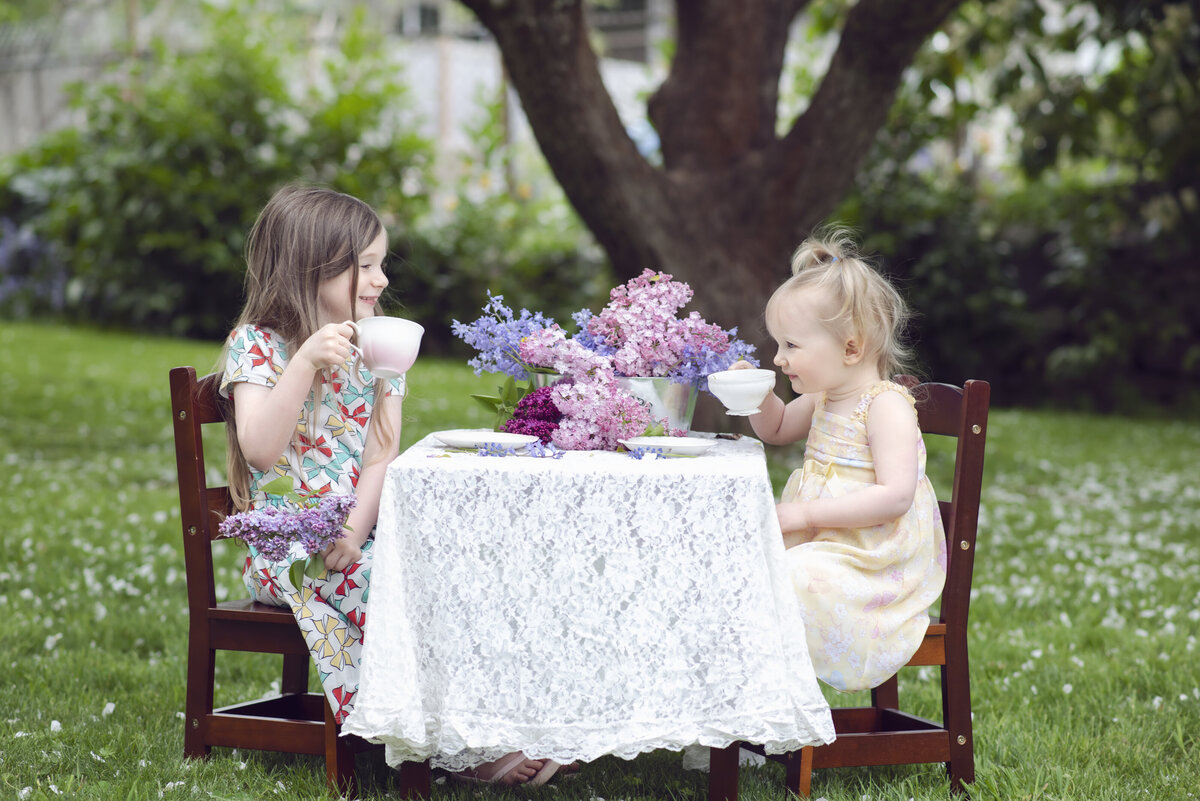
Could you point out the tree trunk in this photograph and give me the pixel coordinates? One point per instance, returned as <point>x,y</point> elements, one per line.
<point>732,198</point>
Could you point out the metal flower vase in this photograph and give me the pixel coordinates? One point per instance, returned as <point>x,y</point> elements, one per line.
<point>671,402</point>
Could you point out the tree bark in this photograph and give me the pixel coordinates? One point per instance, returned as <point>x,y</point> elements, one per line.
<point>732,198</point>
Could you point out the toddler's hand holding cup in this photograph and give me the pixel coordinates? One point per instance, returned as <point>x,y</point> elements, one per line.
<point>742,388</point>
<point>387,346</point>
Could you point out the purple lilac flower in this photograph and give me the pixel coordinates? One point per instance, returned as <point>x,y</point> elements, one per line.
<point>273,530</point>
<point>542,429</point>
<point>497,336</point>
<point>535,414</point>
<point>698,363</point>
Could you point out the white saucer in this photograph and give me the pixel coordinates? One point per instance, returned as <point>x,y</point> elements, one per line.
<point>681,446</point>
<point>481,438</point>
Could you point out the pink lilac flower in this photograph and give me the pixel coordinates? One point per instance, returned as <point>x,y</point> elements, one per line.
<point>596,415</point>
<point>641,327</point>
<point>550,348</point>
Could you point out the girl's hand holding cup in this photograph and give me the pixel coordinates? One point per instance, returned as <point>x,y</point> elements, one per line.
<point>329,347</point>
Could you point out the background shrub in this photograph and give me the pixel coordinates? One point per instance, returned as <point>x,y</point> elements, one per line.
<point>144,208</point>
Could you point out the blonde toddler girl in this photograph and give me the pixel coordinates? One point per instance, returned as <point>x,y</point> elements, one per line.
<point>865,548</point>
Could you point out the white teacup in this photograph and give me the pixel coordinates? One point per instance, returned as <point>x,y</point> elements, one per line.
<point>741,390</point>
<point>387,345</point>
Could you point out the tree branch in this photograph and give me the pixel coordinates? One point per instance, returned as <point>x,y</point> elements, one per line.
<point>556,73</point>
<point>838,128</point>
<point>722,93</point>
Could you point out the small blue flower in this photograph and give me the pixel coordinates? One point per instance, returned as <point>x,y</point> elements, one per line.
<point>547,451</point>
<point>497,336</point>
<point>646,453</point>
<point>496,449</point>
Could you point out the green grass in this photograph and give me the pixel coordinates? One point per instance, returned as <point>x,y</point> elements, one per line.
<point>1085,674</point>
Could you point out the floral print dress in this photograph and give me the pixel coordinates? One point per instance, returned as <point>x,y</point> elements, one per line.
<point>864,593</point>
<point>330,611</point>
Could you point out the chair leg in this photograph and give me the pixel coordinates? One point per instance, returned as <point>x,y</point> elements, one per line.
<point>956,717</point>
<point>295,674</point>
<point>798,776</point>
<point>339,758</point>
<point>198,701</point>
<point>886,695</point>
<point>723,773</point>
<point>415,780</point>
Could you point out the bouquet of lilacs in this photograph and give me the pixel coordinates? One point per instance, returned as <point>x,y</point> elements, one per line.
<point>639,333</point>
<point>315,522</point>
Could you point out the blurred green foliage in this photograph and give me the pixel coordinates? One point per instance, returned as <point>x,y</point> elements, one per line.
<point>1070,275</point>
<point>1064,270</point>
<point>501,226</point>
<point>146,205</point>
<point>137,218</point>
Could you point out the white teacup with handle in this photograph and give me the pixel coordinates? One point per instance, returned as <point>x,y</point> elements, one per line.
<point>387,346</point>
<point>741,390</point>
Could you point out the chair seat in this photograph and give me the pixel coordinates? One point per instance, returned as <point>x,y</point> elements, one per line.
<point>246,625</point>
<point>253,612</point>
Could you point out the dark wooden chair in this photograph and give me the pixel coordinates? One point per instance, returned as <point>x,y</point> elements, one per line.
<point>881,734</point>
<point>295,720</point>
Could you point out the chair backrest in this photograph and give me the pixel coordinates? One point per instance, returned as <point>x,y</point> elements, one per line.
<point>963,414</point>
<point>195,404</point>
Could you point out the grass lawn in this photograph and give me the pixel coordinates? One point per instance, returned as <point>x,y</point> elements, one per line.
<point>1084,625</point>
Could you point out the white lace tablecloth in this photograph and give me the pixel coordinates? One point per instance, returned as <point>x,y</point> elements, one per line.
<point>577,607</point>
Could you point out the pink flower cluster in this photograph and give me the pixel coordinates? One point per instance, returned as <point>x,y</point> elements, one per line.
<point>640,326</point>
<point>597,414</point>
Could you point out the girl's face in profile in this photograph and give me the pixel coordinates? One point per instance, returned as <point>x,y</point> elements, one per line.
<point>333,296</point>
<point>809,354</point>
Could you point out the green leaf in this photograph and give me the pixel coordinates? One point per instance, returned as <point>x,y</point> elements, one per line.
<point>314,566</point>
<point>508,392</point>
<point>655,429</point>
<point>296,573</point>
<point>281,487</point>
<point>489,402</point>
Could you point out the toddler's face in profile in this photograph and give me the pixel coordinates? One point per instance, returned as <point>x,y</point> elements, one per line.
<point>809,354</point>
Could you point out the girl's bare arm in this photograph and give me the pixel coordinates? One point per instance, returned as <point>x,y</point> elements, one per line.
<point>782,424</point>
<point>892,433</point>
<point>266,416</point>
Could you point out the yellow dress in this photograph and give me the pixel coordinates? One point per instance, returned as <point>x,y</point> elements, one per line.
<point>864,593</point>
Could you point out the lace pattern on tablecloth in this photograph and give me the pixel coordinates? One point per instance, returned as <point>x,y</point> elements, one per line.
<point>513,605</point>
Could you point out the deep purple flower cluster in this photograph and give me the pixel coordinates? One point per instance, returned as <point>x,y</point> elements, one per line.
<point>535,414</point>
<point>272,530</point>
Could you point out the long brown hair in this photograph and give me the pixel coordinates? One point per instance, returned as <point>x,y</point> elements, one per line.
<point>304,236</point>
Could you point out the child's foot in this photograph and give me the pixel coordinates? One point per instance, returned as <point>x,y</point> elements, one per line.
<point>509,770</point>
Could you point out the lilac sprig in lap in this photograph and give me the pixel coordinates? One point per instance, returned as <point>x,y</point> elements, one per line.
<point>272,530</point>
